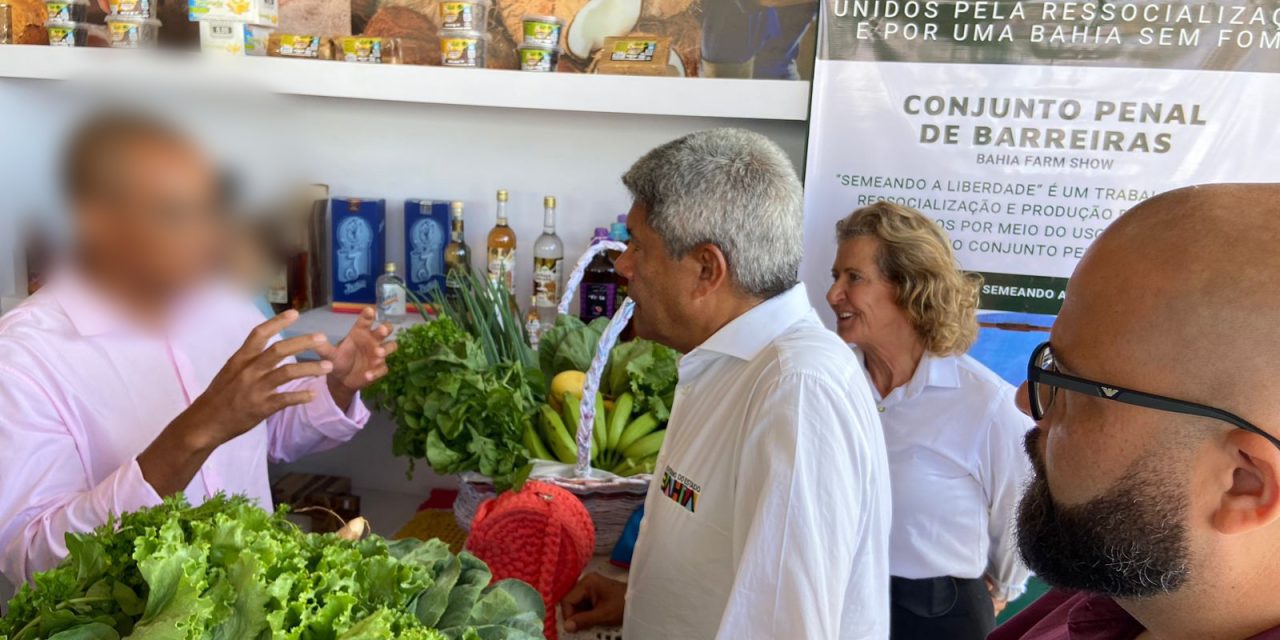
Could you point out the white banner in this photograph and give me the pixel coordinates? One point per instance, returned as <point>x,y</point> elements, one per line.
<point>1024,162</point>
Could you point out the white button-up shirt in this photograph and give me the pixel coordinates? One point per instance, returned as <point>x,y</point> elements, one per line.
<point>769,512</point>
<point>956,458</point>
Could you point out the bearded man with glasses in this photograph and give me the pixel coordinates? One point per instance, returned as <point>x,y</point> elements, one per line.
<point>1155,505</point>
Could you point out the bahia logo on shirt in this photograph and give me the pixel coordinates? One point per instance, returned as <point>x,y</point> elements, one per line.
<point>681,490</point>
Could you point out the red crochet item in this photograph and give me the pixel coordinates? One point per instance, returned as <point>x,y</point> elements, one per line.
<point>542,535</point>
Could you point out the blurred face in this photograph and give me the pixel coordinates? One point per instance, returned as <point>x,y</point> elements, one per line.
<point>662,287</point>
<point>864,301</point>
<point>1108,507</point>
<point>155,218</point>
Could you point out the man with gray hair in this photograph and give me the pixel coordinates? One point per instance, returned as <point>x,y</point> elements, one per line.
<point>768,516</point>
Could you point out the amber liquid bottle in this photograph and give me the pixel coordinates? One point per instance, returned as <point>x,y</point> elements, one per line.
<point>457,256</point>
<point>502,248</point>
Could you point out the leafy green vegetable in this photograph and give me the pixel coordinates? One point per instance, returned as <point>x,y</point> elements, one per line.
<point>456,409</point>
<point>569,345</point>
<point>648,370</point>
<point>228,570</point>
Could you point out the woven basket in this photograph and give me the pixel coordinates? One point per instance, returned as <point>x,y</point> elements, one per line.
<point>609,499</point>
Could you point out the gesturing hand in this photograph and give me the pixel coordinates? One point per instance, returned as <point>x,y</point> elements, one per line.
<point>358,360</point>
<point>244,394</point>
<point>596,601</point>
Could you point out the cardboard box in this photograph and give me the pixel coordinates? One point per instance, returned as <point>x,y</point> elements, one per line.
<point>426,233</point>
<point>359,232</point>
<point>264,13</point>
<point>233,38</point>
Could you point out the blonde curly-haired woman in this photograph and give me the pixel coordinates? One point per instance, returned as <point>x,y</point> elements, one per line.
<point>951,426</point>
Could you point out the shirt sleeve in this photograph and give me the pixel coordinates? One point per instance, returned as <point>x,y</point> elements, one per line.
<point>1005,472</point>
<point>316,426</point>
<point>46,489</point>
<point>801,517</point>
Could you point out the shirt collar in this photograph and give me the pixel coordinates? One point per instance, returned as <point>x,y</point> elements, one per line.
<point>1097,617</point>
<point>748,334</point>
<point>942,372</point>
<point>93,313</point>
<point>90,312</point>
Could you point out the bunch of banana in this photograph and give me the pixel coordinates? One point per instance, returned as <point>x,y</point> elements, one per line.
<point>622,444</point>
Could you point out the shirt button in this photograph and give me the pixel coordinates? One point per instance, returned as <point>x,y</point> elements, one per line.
<point>881,409</point>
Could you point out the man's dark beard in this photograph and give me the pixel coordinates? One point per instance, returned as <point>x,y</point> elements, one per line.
<point>1130,542</point>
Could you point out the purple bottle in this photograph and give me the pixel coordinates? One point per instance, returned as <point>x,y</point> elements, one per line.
<point>599,284</point>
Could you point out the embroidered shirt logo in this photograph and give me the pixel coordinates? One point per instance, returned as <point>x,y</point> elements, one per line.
<point>681,490</point>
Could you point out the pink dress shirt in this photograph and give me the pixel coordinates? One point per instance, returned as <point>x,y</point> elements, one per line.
<point>1066,615</point>
<point>83,391</point>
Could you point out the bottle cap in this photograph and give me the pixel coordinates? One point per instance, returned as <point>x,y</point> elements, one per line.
<point>549,202</point>
<point>618,231</point>
<point>391,267</point>
<point>622,218</point>
<point>456,208</point>
<point>502,195</point>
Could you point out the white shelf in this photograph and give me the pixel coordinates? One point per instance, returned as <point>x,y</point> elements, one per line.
<point>692,97</point>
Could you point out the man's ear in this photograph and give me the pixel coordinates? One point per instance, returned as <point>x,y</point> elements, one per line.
<point>1252,496</point>
<point>713,268</point>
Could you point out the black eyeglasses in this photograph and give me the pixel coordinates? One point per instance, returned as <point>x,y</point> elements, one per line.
<point>1044,379</point>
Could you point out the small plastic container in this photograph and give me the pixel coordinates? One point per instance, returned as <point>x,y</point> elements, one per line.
<point>133,8</point>
<point>67,34</point>
<point>132,33</point>
<point>543,31</point>
<point>66,11</point>
<point>366,50</point>
<point>537,58</point>
<point>464,15</point>
<point>463,48</point>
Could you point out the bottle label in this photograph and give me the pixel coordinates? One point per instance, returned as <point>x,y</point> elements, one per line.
<point>391,300</point>
<point>278,289</point>
<point>597,300</point>
<point>547,281</point>
<point>502,267</point>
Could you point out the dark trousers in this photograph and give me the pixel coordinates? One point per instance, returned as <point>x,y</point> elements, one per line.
<point>942,608</point>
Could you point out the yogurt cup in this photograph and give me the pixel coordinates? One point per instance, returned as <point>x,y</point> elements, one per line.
<point>462,48</point>
<point>133,8</point>
<point>132,33</point>
<point>67,34</point>
<point>542,31</point>
<point>464,15</point>
<point>66,11</point>
<point>536,58</point>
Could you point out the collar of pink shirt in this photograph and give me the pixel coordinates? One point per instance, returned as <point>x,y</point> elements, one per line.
<point>1066,615</point>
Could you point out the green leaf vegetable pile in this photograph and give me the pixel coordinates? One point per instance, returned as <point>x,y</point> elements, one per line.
<point>227,570</point>
<point>468,393</point>
<point>455,408</point>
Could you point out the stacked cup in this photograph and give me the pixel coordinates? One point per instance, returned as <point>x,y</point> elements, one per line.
<point>132,24</point>
<point>463,32</point>
<point>65,22</point>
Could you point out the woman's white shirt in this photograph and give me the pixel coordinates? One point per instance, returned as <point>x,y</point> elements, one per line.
<point>957,468</point>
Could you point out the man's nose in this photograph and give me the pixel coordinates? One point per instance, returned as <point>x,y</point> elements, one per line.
<point>624,264</point>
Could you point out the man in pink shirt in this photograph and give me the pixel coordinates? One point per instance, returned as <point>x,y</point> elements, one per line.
<point>135,373</point>
<point>1155,505</point>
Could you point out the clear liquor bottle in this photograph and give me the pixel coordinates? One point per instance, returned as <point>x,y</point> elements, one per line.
<point>548,265</point>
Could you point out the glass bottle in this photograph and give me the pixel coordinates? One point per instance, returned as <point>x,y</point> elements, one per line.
<point>502,247</point>
<point>599,288</point>
<point>457,256</point>
<point>392,298</point>
<point>533,324</point>
<point>548,265</point>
